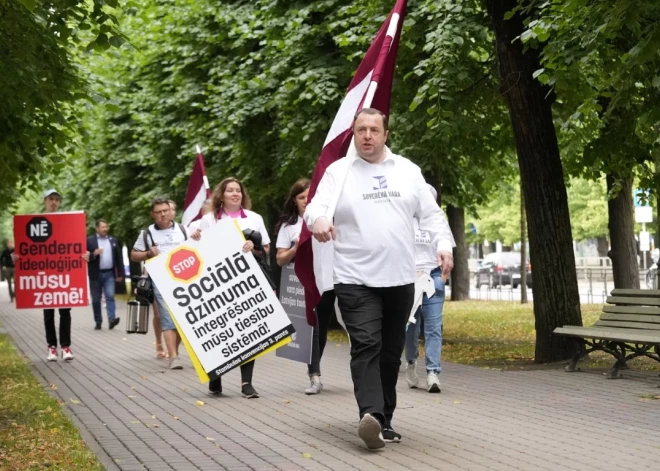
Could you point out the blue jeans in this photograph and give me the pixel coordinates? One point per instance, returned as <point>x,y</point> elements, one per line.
<point>105,283</point>
<point>431,309</point>
<point>166,321</point>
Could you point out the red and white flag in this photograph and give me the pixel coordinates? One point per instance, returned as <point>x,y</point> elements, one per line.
<point>198,191</point>
<point>371,87</point>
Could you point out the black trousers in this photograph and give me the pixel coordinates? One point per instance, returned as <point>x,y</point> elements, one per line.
<point>376,321</point>
<point>65,327</point>
<point>324,312</point>
<point>246,375</point>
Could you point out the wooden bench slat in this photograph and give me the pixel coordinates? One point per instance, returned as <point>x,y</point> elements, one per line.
<point>628,325</point>
<point>637,293</point>
<point>633,301</point>
<point>630,318</point>
<point>632,309</point>
<point>609,333</point>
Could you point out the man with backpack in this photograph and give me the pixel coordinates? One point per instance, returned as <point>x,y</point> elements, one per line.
<point>159,238</point>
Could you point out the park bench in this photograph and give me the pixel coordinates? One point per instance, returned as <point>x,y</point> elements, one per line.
<point>628,327</point>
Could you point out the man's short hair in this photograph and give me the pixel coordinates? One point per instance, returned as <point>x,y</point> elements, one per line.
<point>172,204</point>
<point>99,221</point>
<point>156,201</point>
<point>373,112</point>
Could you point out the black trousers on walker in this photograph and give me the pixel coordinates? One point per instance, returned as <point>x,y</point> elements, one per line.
<point>376,321</point>
<point>65,327</point>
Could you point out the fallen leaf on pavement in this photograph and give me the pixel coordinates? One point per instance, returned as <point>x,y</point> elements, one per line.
<point>200,403</point>
<point>306,455</point>
<point>75,401</point>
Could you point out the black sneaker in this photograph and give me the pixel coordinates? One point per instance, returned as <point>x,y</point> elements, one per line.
<point>215,386</point>
<point>114,323</point>
<point>249,391</point>
<point>390,436</point>
<point>98,327</point>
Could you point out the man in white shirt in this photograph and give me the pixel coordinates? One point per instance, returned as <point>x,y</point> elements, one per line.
<point>159,238</point>
<point>378,194</point>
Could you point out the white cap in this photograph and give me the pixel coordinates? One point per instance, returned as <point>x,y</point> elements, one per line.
<point>52,191</point>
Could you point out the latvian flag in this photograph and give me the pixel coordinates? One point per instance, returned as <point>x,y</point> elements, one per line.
<point>370,88</point>
<point>198,191</point>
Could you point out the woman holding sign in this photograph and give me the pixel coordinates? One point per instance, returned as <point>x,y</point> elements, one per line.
<point>230,200</point>
<point>289,227</point>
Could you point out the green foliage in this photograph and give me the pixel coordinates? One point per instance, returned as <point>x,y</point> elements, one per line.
<point>257,84</point>
<point>499,219</point>
<point>455,124</point>
<point>601,59</point>
<point>40,82</point>
<point>587,203</point>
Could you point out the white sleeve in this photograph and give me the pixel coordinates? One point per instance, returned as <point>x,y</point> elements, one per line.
<point>193,226</point>
<point>432,218</point>
<point>319,205</point>
<point>204,224</point>
<point>283,238</point>
<point>138,246</point>
<point>265,238</point>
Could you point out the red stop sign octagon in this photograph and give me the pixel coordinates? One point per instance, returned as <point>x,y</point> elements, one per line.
<point>184,264</point>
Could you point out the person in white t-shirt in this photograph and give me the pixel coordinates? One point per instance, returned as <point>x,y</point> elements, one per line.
<point>230,200</point>
<point>288,232</point>
<point>426,263</point>
<point>378,194</point>
<point>159,238</point>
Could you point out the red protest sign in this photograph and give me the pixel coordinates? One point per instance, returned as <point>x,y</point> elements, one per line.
<point>50,271</point>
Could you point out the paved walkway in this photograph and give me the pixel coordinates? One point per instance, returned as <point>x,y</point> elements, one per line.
<point>135,414</point>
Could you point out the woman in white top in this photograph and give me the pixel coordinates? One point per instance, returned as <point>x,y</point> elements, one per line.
<point>230,200</point>
<point>426,262</point>
<point>288,232</point>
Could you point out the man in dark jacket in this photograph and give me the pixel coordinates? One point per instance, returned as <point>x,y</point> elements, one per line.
<point>105,268</point>
<point>8,267</point>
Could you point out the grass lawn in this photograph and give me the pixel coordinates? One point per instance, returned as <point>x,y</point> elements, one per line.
<point>500,335</point>
<point>34,432</point>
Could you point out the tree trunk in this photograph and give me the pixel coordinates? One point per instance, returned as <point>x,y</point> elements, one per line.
<point>523,250</point>
<point>556,297</point>
<point>625,266</point>
<point>460,275</point>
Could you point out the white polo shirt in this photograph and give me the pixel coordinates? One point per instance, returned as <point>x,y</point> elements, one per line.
<point>288,233</point>
<point>374,219</point>
<point>247,220</point>
<point>165,239</point>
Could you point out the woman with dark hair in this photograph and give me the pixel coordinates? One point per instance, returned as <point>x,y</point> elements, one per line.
<point>288,233</point>
<point>230,200</point>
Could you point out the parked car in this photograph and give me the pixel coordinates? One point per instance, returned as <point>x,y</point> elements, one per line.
<point>501,268</point>
<point>516,276</point>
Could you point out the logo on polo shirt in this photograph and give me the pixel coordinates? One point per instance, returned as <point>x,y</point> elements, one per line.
<point>382,183</point>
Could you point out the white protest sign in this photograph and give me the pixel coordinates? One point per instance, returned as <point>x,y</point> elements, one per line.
<point>220,299</point>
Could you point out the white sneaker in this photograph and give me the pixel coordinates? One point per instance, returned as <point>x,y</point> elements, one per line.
<point>315,387</point>
<point>67,354</point>
<point>52,354</point>
<point>411,375</point>
<point>370,432</point>
<point>433,383</point>
<point>175,364</point>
